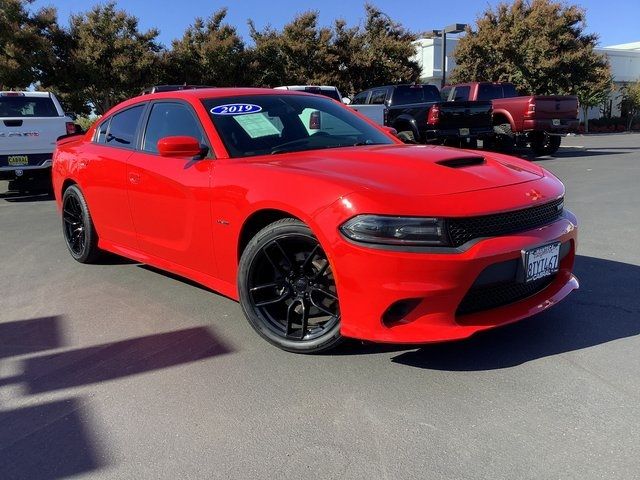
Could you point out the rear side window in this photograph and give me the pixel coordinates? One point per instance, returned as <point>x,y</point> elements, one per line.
<point>461,94</point>
<point>509,90</point>
<point>406,94</point>
<point>123,127</point>
<point>170,120</point>
<point>102,131</point>
<point>361,98</point>
<point>489,91</point>
<point>378,96</point>
<point>20,106</point>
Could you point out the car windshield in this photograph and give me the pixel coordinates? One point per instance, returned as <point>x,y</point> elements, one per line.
<point>272,124</point>
<point>406,94</point>
<point>21,106</point>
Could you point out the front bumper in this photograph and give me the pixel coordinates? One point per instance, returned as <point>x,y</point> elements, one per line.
<point>371,280</point>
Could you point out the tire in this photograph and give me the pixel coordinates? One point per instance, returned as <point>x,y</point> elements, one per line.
<point>504,137</point>
<point>77,227</point>
<point>543,144</point>
<point>285,281</point>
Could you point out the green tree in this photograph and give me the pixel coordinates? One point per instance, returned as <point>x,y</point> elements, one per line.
<point>102,59</point>
<point>539,45</point>
<point>630,102</point>
<point>594,93</point>
<point>299,54</point>
<point>209,53</point>
<point>384,54</point>
<point>352,58</point>
<point>24,42</point>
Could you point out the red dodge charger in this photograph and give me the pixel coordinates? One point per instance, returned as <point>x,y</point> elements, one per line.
<point>322,224</point>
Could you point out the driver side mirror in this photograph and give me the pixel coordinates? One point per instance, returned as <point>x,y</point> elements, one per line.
<point>180,147</point>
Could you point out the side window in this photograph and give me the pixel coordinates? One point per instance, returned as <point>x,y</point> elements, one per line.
<point>101,131</point>
<point>170,120</point>
<point>489,91</point>
<point>123,127</point>
<point>361,98</point>
<point>378,96</point>
<point>461,94</point>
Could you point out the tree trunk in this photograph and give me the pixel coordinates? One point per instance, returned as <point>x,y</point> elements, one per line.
<point>585,111</point>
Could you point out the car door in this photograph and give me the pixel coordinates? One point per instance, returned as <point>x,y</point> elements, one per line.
<point>170,197</point>
<point>103,175</point>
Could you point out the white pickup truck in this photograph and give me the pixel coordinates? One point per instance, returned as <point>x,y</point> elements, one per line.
<point>30,124</point>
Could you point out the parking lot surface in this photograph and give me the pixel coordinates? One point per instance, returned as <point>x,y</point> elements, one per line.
<point>121,371</point>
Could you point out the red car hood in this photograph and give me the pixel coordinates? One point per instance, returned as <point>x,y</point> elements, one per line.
<point>411,169</point>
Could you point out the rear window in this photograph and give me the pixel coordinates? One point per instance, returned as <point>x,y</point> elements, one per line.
<point>461,94</point>
<point>20,106</point>
<point>407,94</point>
<point>327,92</point>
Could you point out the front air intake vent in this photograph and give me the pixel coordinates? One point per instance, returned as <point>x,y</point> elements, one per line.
<point>462,162</point>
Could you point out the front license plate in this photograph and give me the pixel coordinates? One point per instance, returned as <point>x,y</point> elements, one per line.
<point>464,132</point>
<point>556,122</point>
<point>541,262</point>
<point>18,160</point>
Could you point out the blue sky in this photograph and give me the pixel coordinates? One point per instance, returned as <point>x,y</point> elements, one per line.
<point>616,21</point>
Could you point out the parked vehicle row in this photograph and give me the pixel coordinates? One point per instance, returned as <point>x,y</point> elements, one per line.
<point>535,120</point>
<point>417,113</point>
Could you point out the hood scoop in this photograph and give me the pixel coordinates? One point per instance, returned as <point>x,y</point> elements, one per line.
<point>461,162</point>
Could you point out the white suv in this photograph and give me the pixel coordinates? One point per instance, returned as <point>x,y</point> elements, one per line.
<point>326,90</point>
<point>30,124</point>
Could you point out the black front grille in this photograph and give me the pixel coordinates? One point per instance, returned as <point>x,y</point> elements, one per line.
<point>487,297</point>
<point>462,230</point>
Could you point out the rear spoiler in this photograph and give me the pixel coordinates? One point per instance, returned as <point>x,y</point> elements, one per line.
<point>62,139</point>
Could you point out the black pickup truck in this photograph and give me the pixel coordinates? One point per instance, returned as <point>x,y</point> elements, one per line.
<point>418,114</point>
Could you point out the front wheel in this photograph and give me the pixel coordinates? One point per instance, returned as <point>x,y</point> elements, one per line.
<point>287,289</point>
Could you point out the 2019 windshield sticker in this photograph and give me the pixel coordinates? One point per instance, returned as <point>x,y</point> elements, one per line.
<point>236,109</point>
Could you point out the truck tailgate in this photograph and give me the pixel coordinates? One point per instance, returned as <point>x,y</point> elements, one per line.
<point>30,135</point>
<point>555,106</point>
<point>464,114</point>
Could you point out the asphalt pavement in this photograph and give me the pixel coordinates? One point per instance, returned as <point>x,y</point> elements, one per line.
<point>118,370</point>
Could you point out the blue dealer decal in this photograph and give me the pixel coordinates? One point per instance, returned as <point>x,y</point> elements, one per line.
<point>236,109</point>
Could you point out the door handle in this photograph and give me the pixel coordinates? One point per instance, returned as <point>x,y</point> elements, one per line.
<point>134,178</point>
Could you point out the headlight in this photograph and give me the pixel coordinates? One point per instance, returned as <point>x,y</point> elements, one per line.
<point>407,231</point>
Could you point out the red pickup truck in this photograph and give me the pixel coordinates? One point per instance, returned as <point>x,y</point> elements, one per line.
<point>534,120</point>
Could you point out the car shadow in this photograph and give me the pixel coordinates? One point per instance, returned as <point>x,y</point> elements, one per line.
<point>20,197</point>
<point>57,439</point>
<point>606,308</point>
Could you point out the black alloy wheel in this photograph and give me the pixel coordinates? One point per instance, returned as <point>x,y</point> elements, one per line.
<point>287,288</point>
<point>77,226</point>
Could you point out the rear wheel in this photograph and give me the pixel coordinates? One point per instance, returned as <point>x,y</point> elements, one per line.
<point>77,226</point>
<point>504,137</point>
<point>543,144</point>
<point>287,289</point>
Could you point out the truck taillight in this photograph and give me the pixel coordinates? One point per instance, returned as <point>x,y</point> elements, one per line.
<point>434,115</point>
<point>531,109</point>
<point>71,128</point>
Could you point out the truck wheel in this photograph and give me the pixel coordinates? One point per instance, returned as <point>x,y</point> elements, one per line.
<point>543,144</point>
<point>504,139</point>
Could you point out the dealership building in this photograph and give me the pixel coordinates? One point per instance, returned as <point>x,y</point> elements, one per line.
<point>624,60</point>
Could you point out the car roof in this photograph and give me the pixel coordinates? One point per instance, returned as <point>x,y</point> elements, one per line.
<point>201,94</point>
